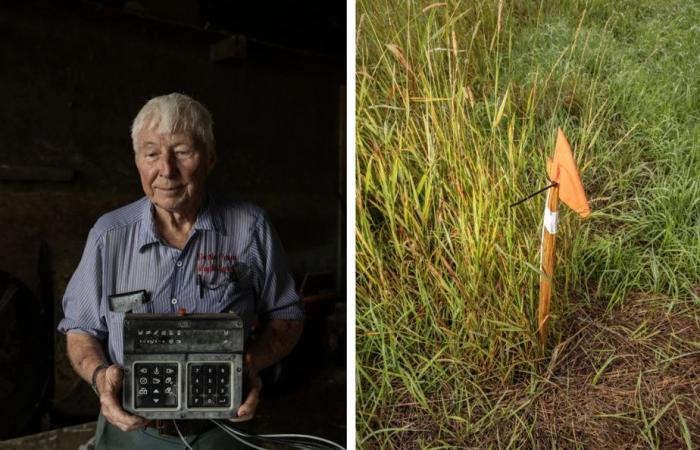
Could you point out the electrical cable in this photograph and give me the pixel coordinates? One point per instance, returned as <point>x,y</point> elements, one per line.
<point>301,441</point>
<point>304,436</point>
<point>182,438</point>
<point>232,434</point>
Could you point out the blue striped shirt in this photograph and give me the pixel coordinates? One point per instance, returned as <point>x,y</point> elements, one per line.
<point>233,260</point>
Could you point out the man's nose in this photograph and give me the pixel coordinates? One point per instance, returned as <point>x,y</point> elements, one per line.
<point>167,165</point>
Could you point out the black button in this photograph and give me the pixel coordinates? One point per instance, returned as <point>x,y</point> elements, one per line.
<point>151,385</point>
<point>211,390</point>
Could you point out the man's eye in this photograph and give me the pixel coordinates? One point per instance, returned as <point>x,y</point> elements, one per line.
<point>183,153</point>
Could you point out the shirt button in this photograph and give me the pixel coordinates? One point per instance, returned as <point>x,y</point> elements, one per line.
<point>179,263</point>
<point>173,301</point>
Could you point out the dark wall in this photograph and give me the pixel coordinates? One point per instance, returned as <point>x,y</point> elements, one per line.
<point>73,76</point>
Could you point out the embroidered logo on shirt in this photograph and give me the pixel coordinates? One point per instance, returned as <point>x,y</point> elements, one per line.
<point>215,262</point>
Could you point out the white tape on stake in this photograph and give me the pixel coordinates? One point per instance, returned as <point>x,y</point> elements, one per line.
<point>550,220</point>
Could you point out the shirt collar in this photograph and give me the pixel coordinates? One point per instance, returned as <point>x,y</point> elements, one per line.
<point>209,218</point>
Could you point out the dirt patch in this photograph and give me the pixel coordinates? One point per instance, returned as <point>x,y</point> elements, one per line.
<point>629,380</point>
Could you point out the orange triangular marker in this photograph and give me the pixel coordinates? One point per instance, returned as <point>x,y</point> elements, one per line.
<point>562,169</point>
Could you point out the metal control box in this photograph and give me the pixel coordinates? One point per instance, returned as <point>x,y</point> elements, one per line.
<point>183,367</point>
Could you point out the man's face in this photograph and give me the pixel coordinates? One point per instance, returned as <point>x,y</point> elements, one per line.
<point>173,169</point>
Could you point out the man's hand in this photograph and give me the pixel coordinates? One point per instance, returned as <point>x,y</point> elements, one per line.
<point>109,383</point>
<point>274,343</point>
<point>86,353</point>
<point>247,409</point>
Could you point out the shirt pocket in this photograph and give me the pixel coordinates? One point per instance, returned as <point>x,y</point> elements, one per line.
<point>215,298</point>
<point>143,308</point>
<point>235,295</point>
<point>116,322</point>
<point>242,302</point>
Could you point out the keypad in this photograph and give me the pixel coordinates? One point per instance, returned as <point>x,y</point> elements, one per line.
<point>155,385</point>
<point>209,385</point>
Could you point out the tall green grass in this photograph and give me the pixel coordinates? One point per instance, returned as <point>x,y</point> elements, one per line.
<point>457,109</point>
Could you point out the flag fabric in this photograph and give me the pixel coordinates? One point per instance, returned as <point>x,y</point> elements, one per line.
<point>562,170</point>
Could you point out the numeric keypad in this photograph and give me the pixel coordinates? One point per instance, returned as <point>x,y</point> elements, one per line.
<point>209,386</point>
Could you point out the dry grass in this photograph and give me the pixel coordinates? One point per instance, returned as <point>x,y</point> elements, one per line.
<point>626,380</point>
<point>630,380</point>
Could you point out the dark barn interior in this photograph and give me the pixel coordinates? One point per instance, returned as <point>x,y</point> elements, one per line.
<point>73,75</point>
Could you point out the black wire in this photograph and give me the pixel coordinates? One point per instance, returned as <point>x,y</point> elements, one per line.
<point>533,194</point>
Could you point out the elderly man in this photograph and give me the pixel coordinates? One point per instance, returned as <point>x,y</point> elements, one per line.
<point>179,244</point>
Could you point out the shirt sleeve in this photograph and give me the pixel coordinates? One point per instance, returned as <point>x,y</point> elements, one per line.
<point>273,280</point>
<point>82,299</point>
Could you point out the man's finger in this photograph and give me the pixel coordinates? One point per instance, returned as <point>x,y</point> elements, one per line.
<point>114,413</point>
<point>131,426</point>
<point>111,406</point>
<point>247,410</point>
<point>125,421</point>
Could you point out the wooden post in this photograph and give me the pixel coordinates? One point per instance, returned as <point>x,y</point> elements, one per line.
<point>547,259</point>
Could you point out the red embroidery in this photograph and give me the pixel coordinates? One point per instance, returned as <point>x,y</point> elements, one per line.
<point>215,262</point>
<point>201,268</point>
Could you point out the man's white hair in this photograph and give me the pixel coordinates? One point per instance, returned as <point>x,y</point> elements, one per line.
<point>176,113</point>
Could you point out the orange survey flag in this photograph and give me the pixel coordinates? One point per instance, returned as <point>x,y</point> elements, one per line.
<point>562,169</point>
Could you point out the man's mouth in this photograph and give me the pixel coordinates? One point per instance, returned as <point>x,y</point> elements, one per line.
<point>174,188</point>
<point>169,190</point>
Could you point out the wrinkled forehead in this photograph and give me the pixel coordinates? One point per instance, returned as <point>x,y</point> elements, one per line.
<point>153,137</point>
<point>159,130</point>
<point>166,123</point>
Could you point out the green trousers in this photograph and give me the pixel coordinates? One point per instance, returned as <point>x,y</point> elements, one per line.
<point>109,437</point>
